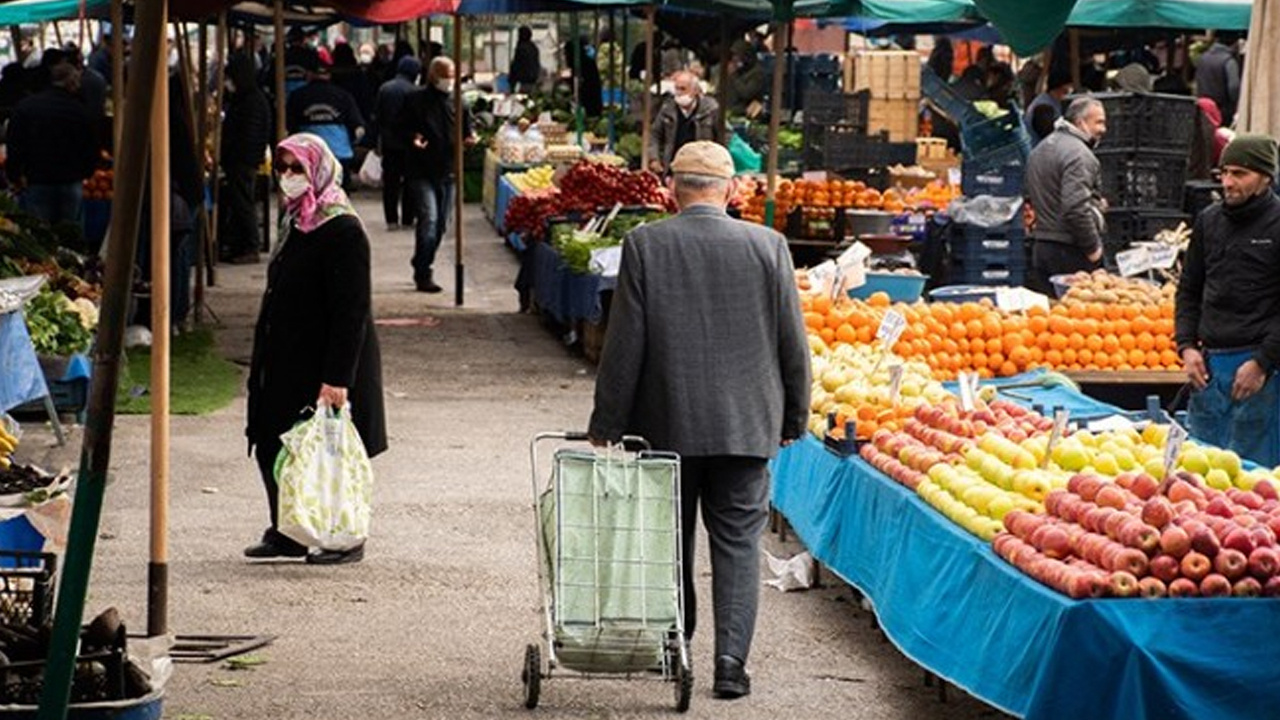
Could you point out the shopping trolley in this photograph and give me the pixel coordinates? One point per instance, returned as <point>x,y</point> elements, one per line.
<point>609,566</point>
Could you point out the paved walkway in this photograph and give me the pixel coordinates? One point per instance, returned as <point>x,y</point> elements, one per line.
<point>434,622</point>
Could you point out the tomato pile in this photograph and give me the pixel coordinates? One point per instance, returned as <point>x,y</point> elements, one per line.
<point>584,189</point>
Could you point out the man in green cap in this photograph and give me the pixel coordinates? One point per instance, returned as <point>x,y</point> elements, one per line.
<point>1228,307</point>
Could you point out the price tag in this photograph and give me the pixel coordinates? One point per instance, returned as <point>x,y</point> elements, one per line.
<point>1173,446</point>
<point>1060,418</point>
<point>1133,262</point>
<point>1162,256</point>
<point>822,277</point>
<point>895,382</point>
<point>891,328</point>
<point>968,383</point>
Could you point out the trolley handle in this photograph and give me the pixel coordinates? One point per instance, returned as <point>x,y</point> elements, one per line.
<point>630,443</point>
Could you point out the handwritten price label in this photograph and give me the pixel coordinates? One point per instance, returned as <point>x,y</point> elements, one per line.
<point>1133,262</point>
<point>1162,256</point>
<point>891,328</point>
<point>1173,446</point>
<point>1060,418</point>
<point>895,382</point>
<point>968,383</point>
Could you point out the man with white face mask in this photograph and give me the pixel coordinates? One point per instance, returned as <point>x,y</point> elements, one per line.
<point>685,116</point>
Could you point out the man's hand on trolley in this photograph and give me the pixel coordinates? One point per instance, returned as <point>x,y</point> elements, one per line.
<point>1197,373</point>
<point>1249,380</point>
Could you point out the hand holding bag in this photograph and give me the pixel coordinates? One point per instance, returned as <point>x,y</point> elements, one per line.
<point>326,482</point>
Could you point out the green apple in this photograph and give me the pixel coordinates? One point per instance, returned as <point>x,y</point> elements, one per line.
<point>999,507</point>
<point>1106,464</point>
<point>1217,478</point>
<point>1195,460</point>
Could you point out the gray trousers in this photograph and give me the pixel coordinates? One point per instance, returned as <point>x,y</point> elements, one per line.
<point>734,495</point>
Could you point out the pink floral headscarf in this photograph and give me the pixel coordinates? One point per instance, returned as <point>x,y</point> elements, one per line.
<point>325,199</point>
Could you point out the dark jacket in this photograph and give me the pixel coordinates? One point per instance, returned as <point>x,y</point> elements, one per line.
<point>590,87</point>
<point>1064,187</point>
<point>316,326</point>
<point>688,370</point>
<point>1218,78</point>
<point>429,113</point>
<point>320,102</point>
<point>1229,296</point>
<point>708,125</point>
<point>526,64</point>
<point>246,128</point>
<point>51,139</point>
<point>386,110</point>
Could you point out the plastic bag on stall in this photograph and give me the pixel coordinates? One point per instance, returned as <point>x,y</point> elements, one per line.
<point>985,210</point>
<point>745,159</point>
<point>326,482</point>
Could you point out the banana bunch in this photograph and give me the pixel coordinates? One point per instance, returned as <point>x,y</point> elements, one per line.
<point>538,178</point>
<point>8,444</point>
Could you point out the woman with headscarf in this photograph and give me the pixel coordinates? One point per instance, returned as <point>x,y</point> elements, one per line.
<point>314,341</point>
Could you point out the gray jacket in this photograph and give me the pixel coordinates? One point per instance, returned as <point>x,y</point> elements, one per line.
<point>708,125</point>
<point>1063,185</point>
<point>706,351</point>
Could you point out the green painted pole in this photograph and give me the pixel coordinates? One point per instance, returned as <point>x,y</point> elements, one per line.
<point>578,115</point>
<point>95,455</point>
<point>780,42</point>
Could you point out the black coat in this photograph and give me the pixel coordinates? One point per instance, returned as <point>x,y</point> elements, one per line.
<point>246,128</point>
<point>429,113</point>
<point>316,326</point>
<point>51,139</point>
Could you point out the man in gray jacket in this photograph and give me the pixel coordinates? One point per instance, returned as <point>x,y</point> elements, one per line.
<point>1063,187</point>
<point>706,356</point>
<point>684,117</point>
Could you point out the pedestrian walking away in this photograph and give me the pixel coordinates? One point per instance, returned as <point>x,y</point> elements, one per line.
<point>314,340</point>
<point>676,356</point>
<point>246,132</point>
<point>428,120</point>
<point>397,201</point>
<point>1064,188</point>
<point>1227,310</point>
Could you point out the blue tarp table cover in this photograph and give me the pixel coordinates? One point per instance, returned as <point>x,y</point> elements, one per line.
<point>506,191</point>
<point>564,295</point>
<point>21,379</point>
<point>1079,405</point>
<point>953,606</point>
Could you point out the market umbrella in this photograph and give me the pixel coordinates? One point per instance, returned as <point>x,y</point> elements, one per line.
<point>1259,97</point>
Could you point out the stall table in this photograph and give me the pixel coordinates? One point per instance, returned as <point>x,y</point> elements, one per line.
<point>952,605</point>
<point>1130,388</point>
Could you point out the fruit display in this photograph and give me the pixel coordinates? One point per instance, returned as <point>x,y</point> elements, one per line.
<point>852,382</point>
<point>818,194</point>
<point>100,185</point>
<point>533,179</point>
<point>587,186</point>
<point>8,444</point>
<point>978,337</point>
<point>1103,287</point>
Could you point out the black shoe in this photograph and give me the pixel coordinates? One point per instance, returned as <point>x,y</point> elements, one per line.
<point>275,545</point>
<point>732,680</point>
<point>336,557</point>
<point>428,286</point>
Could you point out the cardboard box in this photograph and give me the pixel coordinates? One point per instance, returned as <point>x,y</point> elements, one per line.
<point>901,118</point>
<point>888,74</point>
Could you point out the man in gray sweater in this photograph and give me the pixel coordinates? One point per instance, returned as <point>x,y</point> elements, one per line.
<point>706,356</point>
<point>1064,189</point>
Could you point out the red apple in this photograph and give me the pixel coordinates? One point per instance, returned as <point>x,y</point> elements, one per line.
<point>1195,566</point>
<point>1130,560</point>
<point>1271,588</point>
<point>1204,542</point>
<point>1266,490</point>
<point>1251,500</point>
<point>1175,541</point>
<point>1247,587</point>
<point>1263,563</point>
<point>1263,536</point>
<point>1080,585</point>
<point>1125,479</point>
<point>1054,542</point>
<point>1123,584</point>
<point>1096,519</point>
<point>1070,508</point>
<point>1183,587</point>
<point>1181,490</point>
<point>1089,487</point>
<point>1144,486</point>
<point>1221,507</point>
<point>1111,496</point>
<point>1164,567</point>
<point>1114,522</point>
<point>1152,587</point>
<point>1214,585</point>
<point>1231,563</point>
<point>1239,539</point>
<point>1157,512</point>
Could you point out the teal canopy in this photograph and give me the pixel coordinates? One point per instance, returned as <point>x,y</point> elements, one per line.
<point>20,12</point>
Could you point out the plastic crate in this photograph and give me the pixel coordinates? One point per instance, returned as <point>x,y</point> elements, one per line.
<point>26,588</point>
<point>1199,194</point>
<point>1148,122</point>
<point>899,287</point>
<point>1144,179</point>
<point>992,134</point>
<point>799,229</point>
<point>975,246</point>
<point>98,677</point>
<point>825,108</point>
<point>815,135</point>
<point>1010,274</point>
<point>1001,173</point>
<point>946,100</point>
<point>843,151</point>
<point>1125,226</point>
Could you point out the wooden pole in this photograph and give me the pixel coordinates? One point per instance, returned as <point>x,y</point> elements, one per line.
<point>722,79</point>
<point>281,128</point>
<point>1073,41</point>
<point>220,79</point>
<point>781,38</point>
<point>646,122</point>
<point>117,73</point>
<point>493,48</point>
<point>95,457</point>
<point>206,238</point>
<point>158,569</point>
<point>459,183</point>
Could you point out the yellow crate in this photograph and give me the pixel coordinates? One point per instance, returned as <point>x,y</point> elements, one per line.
<point>901,118</point>
<point>888,74</point>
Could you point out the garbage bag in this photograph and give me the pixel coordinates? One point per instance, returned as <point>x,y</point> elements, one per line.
<point>985,210</point>
<point>325,481</point>
<point>745,159</point>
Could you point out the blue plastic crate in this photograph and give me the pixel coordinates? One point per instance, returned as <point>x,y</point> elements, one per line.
<point>974,245</point>
<point>1000,172</point>
<point>18,534</point>
<point>1012,273</point>
<point>900,288</point>
<point>991,134</point>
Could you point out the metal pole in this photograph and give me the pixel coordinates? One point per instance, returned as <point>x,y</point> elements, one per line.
<point>202,142</point>
<point>278,41</point>
<point>117,73</point>
<point>95,457</point>
<point>458,273</point>
<point>220,78</point>
<point>646,122</point>
<point>780,41</point>
<point>577,75</point>
<point>626,58</point>
<point>158,568</point>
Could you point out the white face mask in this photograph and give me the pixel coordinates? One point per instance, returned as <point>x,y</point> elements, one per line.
<point>685,101</point>
<point>173,57</point>
<point>293,185</point>
<point>445,85</point>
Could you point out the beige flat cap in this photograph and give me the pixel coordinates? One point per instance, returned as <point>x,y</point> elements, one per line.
<point>703,157</point>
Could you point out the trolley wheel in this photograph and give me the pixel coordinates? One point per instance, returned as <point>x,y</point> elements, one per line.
<point>531,675</point>
<point>684,685</point>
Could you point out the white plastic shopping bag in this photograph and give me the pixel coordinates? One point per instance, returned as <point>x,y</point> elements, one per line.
<point>370,173</point>
<point>326,482</point>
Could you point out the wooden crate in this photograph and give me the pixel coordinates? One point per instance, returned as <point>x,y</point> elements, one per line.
<point>887,74</point>
<point>901,118</point>
<point>931,148</point>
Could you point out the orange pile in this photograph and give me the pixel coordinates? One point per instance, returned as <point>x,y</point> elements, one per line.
<point>839,194</point>
<point>981,338</point>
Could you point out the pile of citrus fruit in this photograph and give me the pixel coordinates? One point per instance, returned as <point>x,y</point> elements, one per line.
<point>978,337</point>
<point>793,194</point>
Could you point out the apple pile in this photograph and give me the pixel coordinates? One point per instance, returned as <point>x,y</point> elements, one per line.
<point>852,381</point>
<point>1138,537</point>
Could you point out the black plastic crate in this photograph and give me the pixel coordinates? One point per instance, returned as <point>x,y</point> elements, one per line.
<point>975,246</point>
<point>1200,194</point>
<point>26,588</point>
<point>825,108</point>
<point>843,151</point>
<point>98,677</point>
<point>1143,179</point>
<point>1001,172</point>
<point>1013,273</point>
<point>1138,122</point>
<point>1124,226</point>
<point>815,136</point>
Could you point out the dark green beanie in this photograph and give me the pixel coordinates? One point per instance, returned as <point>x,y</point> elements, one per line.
<point>1255,152</point>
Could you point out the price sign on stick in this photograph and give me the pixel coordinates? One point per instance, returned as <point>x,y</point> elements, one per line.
<point>1133,262</point>
<point>1162,256</point>
<point>1173,446</point>
<point>895,382</point>
<point>1059,429</point>
<point>891,328</point>
<point>968,390</point>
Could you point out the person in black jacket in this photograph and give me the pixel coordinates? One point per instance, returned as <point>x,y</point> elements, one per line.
<point>582,68</point>
<point>526,65</point>
<point>314,341</point>
<point>1227,310</point>
<point>246,134</point>
<point>52,148</point>
<point>397,203</point>
<point>427,119</point>
<point>348,75</point>
<point>323,108</point>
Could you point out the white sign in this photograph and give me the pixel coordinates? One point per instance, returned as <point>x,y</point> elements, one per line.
<point>895,382</point>
<point>1162,256</point>
<point>822,278</point>
<point>1133,262</point>
<point>891,328</point>
<point>968,383</point>
<point>1059,429</point>
<point>1173,446</point>
<point>1019,299</point>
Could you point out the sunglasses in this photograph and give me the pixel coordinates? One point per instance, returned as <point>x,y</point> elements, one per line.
<point>295,168</point>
